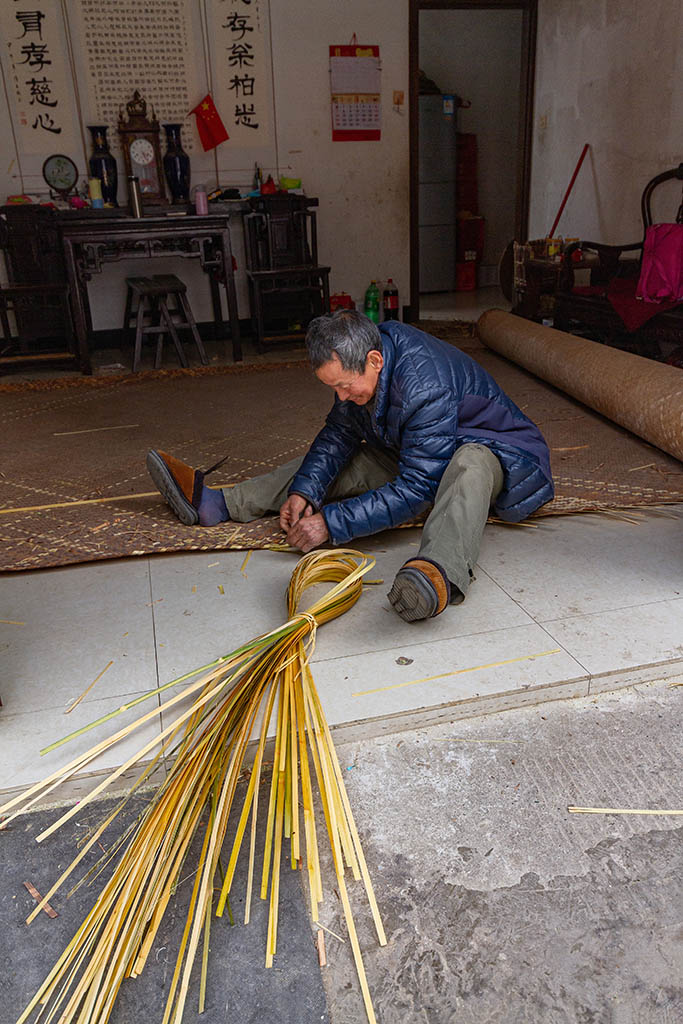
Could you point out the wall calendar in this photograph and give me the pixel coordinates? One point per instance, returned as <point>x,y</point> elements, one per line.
<point>355,85</point>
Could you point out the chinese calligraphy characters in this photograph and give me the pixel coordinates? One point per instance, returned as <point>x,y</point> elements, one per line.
<point>241,55</point>
<point>149,46</point>
<point>36,56</point>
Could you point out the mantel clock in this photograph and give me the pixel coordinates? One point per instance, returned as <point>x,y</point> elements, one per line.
<point>141,150</point>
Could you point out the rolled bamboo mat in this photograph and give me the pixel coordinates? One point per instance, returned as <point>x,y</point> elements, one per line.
<point>644,396</point>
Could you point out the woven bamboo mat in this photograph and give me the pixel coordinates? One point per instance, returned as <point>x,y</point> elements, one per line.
<point>75,489</point>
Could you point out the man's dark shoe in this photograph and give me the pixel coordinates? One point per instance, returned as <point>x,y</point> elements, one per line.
<point>178,483</point>
<point>420,591</point>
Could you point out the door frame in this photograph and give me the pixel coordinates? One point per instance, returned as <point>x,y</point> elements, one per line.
<point>529,10</point>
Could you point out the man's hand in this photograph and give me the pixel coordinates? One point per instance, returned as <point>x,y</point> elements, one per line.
<point>308,532</point>
<point>293,509</point>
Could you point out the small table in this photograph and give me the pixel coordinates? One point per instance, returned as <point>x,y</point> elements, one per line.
<point>91,241</point>
<point>542,279</point>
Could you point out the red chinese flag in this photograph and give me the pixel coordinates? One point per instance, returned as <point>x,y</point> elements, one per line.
<point>209,125</point>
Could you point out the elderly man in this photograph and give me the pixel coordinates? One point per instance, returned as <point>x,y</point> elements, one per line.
<point>415,423</point>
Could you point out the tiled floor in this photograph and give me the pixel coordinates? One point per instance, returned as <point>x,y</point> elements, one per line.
<point>461,305</point>
<point>578,604</point>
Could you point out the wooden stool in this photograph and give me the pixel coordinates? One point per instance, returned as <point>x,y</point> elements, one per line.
<point>147,302</point>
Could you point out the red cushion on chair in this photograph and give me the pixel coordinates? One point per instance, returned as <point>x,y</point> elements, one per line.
<point>589,289</point>
<point>634,312</point>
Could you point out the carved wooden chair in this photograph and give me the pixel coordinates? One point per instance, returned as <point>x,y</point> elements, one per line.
<point>35,314</point>
<point>615,269</point>
<point>287,285</point>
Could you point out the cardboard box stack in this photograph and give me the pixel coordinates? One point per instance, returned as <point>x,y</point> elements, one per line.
<point>469,239</point>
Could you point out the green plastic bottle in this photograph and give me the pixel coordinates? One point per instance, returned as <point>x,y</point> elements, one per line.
<point>371,305</point>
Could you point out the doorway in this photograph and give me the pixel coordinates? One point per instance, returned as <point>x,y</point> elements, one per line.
<point>471,98</point>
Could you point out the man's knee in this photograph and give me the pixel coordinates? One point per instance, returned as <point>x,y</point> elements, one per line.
<point>367,471</point>
<point>479,461</point>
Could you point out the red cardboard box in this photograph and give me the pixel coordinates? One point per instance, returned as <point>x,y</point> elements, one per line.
<point>466,191</point>
<point>466,276</point>
<point>469,239</point>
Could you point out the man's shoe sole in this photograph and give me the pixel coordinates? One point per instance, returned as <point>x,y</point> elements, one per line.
<point>412,596</point>
<point>165,483</point>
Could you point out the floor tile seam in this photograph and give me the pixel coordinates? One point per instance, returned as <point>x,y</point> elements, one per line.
<point>161,697</point>
<point>129,695</point>
<point>163,764</point>
<point>423,643</point>
<point>543,623</point>
<point>542,627</point>
<point>607,611</point>
<point>568,653</point>
<point>154,637</point>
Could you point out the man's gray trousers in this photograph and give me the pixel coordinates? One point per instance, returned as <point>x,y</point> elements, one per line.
<point>452,533</point>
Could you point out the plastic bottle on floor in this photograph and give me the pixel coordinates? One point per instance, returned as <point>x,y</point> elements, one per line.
<point>390,301</point>
<point>371,304</point>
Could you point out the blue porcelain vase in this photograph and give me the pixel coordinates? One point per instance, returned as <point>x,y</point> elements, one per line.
<point>176,165</point>
<point>103,165</point>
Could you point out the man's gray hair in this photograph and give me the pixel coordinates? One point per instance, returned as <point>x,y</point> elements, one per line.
<point>348,333</point>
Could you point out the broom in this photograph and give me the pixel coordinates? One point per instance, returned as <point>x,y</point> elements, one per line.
<point>209,742</point>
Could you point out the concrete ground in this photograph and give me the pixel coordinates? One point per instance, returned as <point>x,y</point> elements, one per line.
<point>499,905</point>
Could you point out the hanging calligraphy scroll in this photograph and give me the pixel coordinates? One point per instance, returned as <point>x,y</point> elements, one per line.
<point>38,78</point>
<point>123,45</point>
<point>238,33</point>
<point>355,85</point>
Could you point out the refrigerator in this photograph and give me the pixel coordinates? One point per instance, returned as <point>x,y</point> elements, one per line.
<point>436,178</point>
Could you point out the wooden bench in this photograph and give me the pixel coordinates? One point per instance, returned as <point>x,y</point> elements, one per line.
<point>148,305</point>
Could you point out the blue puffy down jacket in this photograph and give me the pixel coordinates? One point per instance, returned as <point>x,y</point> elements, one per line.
<point>430,399</point>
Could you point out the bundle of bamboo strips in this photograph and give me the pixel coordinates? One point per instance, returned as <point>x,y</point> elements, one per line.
<point>209,742</point>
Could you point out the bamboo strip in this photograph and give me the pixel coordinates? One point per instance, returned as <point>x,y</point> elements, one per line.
<point>352,825</point>
<point>272,803</point>
<point>312,864</point>
<point>618,810</point>
<point>252,795</point>
<point>330,932</point>
<point>88,689</point>
<point>294,776</point>
<point>205,959</point>
<point>90,501</point>
<point>458,672</point>
<point>206,882</point>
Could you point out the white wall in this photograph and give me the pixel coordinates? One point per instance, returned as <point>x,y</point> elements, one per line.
<point>610,73</point>
<point>477,54</point>
<point>363,187</point>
